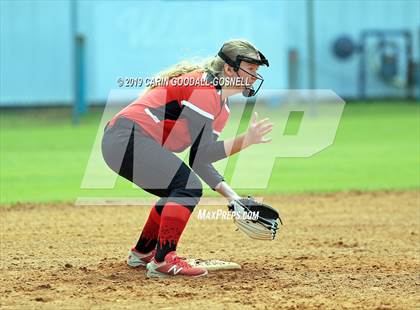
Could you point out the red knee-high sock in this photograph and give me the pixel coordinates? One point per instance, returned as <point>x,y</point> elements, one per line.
<point>148,238</point>
<point>174,218</point>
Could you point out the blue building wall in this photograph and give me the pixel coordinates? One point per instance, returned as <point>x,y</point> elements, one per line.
<point>139,39</point>
<point>130,38</point>
<point>35,52</point>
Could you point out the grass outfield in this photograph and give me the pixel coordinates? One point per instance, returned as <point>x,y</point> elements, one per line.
<point>43,157</point>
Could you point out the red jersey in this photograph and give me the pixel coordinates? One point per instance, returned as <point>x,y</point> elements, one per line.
<point>159,111</point>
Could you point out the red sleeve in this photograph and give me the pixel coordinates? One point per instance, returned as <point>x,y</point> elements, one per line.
<point>203,100</point>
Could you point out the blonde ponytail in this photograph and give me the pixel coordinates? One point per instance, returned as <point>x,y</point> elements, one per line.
<point>214,65</point>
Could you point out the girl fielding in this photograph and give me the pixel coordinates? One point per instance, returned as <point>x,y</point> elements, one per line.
<point>189,111</point>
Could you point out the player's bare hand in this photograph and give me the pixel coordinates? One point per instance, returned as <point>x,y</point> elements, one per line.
<point>258,129</point>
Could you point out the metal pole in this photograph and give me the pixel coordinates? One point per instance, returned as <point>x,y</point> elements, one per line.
<point>409,51</point>
<point>73,27</point>
<point>80,74</point>
<point>310,30</point>
<point>78,65</point>
<point>292,68</point>
<point>362,67</point>
<point>417,74</point>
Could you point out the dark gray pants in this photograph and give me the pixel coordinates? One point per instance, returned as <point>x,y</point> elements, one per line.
<point>131,153</point>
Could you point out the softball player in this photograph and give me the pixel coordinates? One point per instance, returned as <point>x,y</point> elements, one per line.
<point>189,111</point>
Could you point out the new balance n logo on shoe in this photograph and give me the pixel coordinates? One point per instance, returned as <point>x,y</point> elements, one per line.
<point>174,269</point>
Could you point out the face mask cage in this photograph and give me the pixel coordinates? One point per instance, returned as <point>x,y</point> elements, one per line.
<point>249,91</point>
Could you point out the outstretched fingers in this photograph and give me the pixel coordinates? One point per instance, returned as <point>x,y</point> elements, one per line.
<point>263,122</point>
<point>266,129</point>
<point>266,140</point>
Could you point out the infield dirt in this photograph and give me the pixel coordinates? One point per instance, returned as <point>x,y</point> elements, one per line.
<point>342,250</point>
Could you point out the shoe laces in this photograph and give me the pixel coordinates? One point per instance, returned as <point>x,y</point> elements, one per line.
<point>180,262</point>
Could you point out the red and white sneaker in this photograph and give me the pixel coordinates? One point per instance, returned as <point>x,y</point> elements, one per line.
<point>136,259</point>
<point>173,266</point>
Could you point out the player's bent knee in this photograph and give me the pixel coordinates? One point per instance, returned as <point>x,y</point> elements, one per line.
<point>187,197</point>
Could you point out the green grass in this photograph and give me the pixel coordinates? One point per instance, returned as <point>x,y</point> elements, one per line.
<point>43,157</point>
<point>376,147</point>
